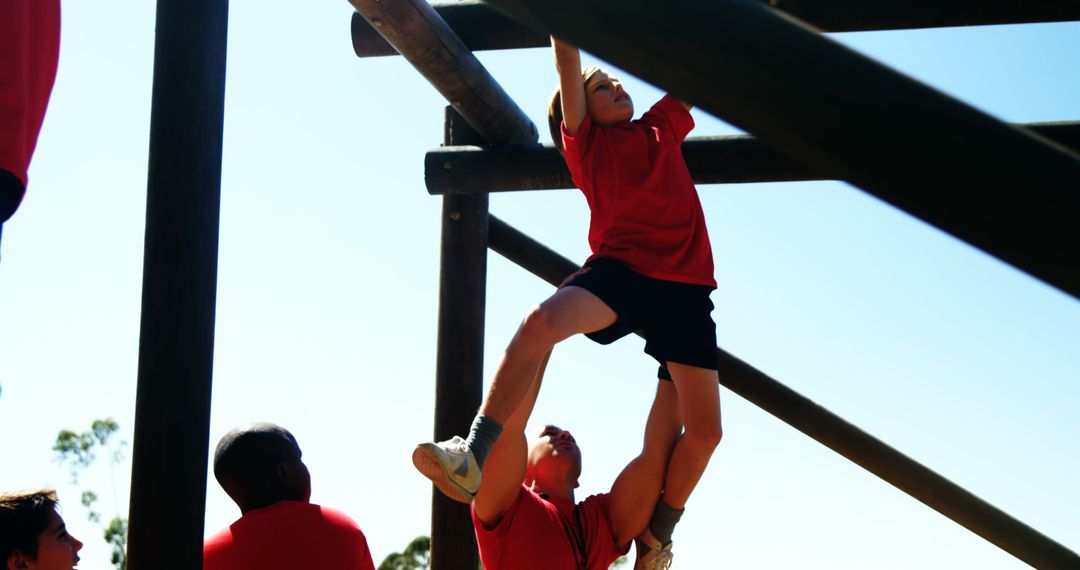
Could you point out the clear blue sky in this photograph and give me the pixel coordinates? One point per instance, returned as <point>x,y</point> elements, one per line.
<point>327,300</point>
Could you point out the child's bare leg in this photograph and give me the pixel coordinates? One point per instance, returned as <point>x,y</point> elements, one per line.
<point>638,487</point>
<point>699,405</point>
<point>455,466</point>
<point>569,311</point>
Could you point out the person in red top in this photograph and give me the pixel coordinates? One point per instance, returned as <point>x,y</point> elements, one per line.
<point>651,270</point>
<point>525,514</point>
<point>259,466</point>
<point>29,52</point>
<point>33,535</point>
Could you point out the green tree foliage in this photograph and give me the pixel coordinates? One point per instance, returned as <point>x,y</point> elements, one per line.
<point>416,556</point>
<point>78,451</point>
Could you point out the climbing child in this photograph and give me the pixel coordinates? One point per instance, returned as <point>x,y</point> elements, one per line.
<point>651,270</point>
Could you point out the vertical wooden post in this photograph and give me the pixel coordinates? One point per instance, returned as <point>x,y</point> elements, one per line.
<point>172,408</point>
<point>459,365</point>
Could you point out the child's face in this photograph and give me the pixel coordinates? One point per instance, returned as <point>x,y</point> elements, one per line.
<point>606,101</point>
<point>57,550</point>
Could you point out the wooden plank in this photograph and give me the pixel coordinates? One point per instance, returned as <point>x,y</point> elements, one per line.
<point>459,362</point>
<point>482,27</point>
<point>711,160</point>
<point>423,38</point>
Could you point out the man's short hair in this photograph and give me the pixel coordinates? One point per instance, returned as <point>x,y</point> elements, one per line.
<point>24,515</point>
<point>249,453</point>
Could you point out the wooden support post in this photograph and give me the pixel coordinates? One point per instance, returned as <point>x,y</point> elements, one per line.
<point>827,428</point>
<point>1002,189</point>
<point>482,27</point>
<point>459,366</point>
<point>711,160</point>
<point>176,344</point>
<point>423,38</point>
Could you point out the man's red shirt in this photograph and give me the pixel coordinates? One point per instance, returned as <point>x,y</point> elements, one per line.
<point>549,533</point>
<point>289,535</point>
<point>645,208</point>
<point>29,51</point>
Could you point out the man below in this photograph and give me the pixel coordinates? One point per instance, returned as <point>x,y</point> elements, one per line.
<point>525,513</point>
<point>259,467</point>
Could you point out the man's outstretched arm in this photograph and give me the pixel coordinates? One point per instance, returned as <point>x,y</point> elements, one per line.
<point>637,488</point>
<point>504,470</point>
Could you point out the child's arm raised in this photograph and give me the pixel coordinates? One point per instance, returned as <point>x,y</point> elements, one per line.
<point>572,89</point>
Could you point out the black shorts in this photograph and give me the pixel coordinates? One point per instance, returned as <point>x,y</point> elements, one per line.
<point>675,317</point>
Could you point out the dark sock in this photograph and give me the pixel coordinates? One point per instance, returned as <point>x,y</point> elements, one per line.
<point>663,521</point>
<point>482,437</point>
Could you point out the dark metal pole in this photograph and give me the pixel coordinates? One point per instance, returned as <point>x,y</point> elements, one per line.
<point>423,38</point>
<point>459,365</point>
<point>711,160</point>
<point>1000,188</point>
<point>172,410</point>
<point>484,28</point>
<point>799,412</point>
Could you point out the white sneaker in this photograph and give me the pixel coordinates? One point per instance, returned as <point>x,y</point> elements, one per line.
<point>651,555</point>
<point>450,466</point>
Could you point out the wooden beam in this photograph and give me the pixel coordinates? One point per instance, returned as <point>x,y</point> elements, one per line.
<point>1000,188</point>
<point>711,160</point>
<point>176,342</point>
<point>423,38</point>
<point>483,28</point>
<point>459,362</point>
<point>827,428</point>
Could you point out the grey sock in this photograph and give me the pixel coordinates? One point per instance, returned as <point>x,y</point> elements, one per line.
<point>482,437</point>
<point>663,521</point>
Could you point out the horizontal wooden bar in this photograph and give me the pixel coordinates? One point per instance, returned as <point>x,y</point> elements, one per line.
<point>417,31</point>
<point>827,428</point>
<point>1000,188</point>
<point>711,160</point>
<point>483,28</point>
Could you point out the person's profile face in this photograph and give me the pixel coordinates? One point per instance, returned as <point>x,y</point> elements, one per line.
<point>57,548</point>
<point>556,446</point>
<point>607,102</point>
<point>299,476</point>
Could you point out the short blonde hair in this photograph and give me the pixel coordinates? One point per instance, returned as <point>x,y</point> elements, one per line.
<point>555,116</point>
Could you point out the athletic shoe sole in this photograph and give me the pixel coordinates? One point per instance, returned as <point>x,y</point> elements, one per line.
<point>427,462</point>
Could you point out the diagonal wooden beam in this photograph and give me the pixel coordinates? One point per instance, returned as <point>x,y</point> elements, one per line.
<point>1002,189</point>
<point>423,38</point>
<point>711,160</point>
<point>483,28</point>
<point>863,449</point>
